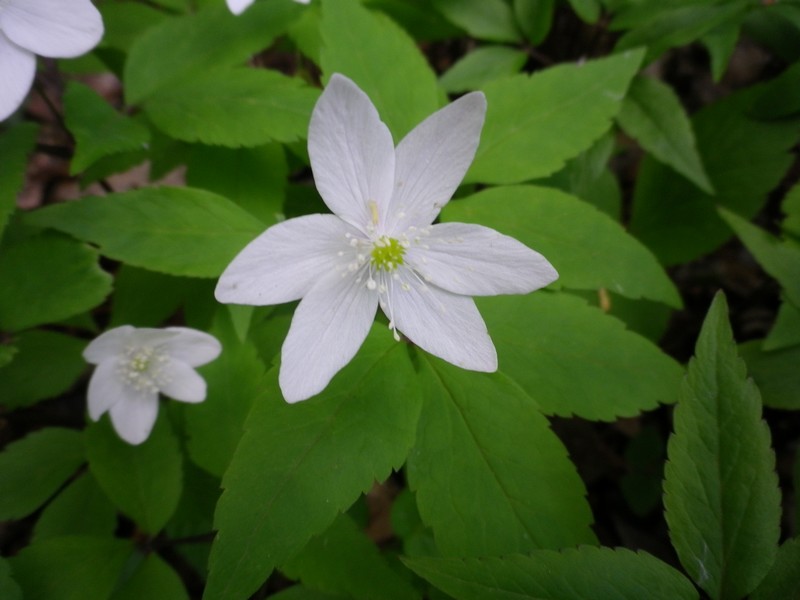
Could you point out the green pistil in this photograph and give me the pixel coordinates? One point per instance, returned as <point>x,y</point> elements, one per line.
<point>387,254</point>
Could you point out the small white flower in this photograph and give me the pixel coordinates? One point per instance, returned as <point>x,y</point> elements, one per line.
<point>134,365</point>
<point>237,7</point>
<point>52,28</point>
<point>379,248</point>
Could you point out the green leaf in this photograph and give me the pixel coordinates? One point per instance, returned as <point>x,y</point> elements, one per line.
<point>144,298</point>
<point>535,17</point>
<point>481,66</point>
<point>143,481</point>
<point>573,359</point>
<point>587,10</point>
<point>98,129</point>
<point>152,579</point>
<point>744,160</point>
<point>791,208</point>
<point>70,567</point>
<point>720,489</point>
<point>298,466</point>
<point>9,590</point>
<point>81,509</point>
<point>780,97</point>
<point>720,43</point>
<point>483,19</point>
<point>360,44</point>
<point>785,331</point>
<point>125,22</point>
<point>574,574</point>
<point>234,107</point>
<point>783,579</point>
<point>775,373</point>
<point>535,123</point>
<point>48,278</point>
<point>343,560</point>
<point>652,113</point>
<point>234,381</point>
<point>589,249</point>
<point>33,468</point>
<point>178,231</point>
<point>779,259</point>
<point>186,47</point>
<point>15,145</point>
<point>492,478</point>
<point>47,363</point>
<point>7,354</point>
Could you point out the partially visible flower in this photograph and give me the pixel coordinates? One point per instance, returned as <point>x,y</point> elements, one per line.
<point>51,28</point>
<point>239,6</point>
<point>380,247</point>
<point>134,365</point>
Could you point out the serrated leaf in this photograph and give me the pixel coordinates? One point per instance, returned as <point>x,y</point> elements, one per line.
<point>572,359</point>
<point>153,578</point>
<point>143,481</point>
<point>33,468</point>
<point>589,249</point>
<point>720,490</point>
<point>360,43</point>
<point>185,47</point>
<point>178,231</point>
<point>297,466</point>
<point>82,508</point>
<point>779,259</point>
<point>492,478</point>
<point>70,567</point>
<point>783,579</point>
<point>47,363</point>
<point>15,145</point>
<point>574,574</point>
<point>534,17</point>
<point>775,373</point>
<point>98,129</point>
<point>535,123</point>
<point>9,590</point>
<point>652,113</point>
<point>483,19</point>
<point>343,560</point>
<point>48,278</point>
<point>234,108</point>
<point>481,66</point>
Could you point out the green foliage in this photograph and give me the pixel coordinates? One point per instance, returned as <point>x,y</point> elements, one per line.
<point>67,269</point>
<point>178,231</point>
<point>481,66</point>
<point>534,18</point>
<point>573,574</point>
<point>720,489</point>
<point>783,579</point>
<point>34,468</point>
<point>82,508</point>
<point>153,578</point>
<point>307,462</point>
<point>477,468</point>
<point>535,123</point>
<point>484,19</point>
<point>8,587</point>
<point>15,145</point>
<point>143,481</point>
<point>775,372</point>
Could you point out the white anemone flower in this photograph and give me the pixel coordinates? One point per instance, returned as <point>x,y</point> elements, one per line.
<point>134,365</point>
<point>380,247</point>
<point>51,28</point>
<point>237,7</point>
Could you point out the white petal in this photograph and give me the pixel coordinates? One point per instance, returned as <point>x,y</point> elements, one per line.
<point>284,262</point>
<point>105,389</point>
<point>351,152</point>
<point>192,347</point>
<point>183,383</point>
<point>17,69</point>
<point>134,417</point>
<point>479,261</point>
<point>328,328</point>
<point>432,160</point>
<point>444,324</point>
<point>238,6</point>
<point>108,344</point>
<point>54,28</point>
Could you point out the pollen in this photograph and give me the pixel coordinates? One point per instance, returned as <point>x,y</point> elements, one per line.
<point>142,368</point>
<point>387,254</point>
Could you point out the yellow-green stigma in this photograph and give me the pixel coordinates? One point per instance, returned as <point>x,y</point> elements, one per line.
<point>387,253</point>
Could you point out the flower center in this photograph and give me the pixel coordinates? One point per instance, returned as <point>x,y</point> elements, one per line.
<point>387,254</point>
<point>142,368</point>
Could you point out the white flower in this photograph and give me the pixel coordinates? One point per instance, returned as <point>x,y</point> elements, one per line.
<point>134,365</point>
<point>379,248</point>
<point>237,7</point>
<point>52,28</point>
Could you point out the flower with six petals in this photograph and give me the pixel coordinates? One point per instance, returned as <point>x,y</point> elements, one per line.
<point>51,28</point>
<point>380,248</point>
<point>134,365</point>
